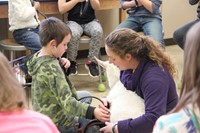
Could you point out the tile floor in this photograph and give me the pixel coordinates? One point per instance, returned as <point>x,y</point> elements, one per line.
<point>91,84</point>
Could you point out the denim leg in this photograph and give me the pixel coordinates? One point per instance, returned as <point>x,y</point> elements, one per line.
<point>131,23</point>
<point>180,34</point>
<point>77,31</point>
<point>29,38</point>
<point>153,27</point>
<point>95,31</point>
<point>81,94</point>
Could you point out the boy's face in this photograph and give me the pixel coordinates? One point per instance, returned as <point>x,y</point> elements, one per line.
<point>62,47</point>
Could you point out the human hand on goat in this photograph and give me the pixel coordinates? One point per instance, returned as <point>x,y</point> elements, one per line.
<point>102,114</point>
<point>105,103</point>
<point>109,128</point>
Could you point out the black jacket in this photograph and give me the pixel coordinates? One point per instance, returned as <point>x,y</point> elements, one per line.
<point>82,13</point>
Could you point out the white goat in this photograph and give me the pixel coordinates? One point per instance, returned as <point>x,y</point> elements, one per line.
<point>124,103</point>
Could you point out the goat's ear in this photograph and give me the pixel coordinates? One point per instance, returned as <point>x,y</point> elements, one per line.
<point>101,63</point>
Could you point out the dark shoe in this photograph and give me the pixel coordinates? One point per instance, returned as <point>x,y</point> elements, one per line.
<point>72,69</point>
<point>93,69</point>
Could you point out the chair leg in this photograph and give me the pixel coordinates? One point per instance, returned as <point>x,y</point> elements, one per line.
<point>11,55</point>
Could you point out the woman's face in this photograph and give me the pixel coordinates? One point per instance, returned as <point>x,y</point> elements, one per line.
<point>128,62</point>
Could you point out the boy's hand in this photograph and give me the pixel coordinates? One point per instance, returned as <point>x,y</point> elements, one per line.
<point>102,114</point>
<point>105,103</point>
<point>65,62</point>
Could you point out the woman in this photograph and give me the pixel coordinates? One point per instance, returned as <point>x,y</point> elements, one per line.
<point>145,69</point>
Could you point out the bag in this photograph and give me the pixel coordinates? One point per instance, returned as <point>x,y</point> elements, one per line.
<point>92,126</point>
<point>19,74</point>
<point>95,124</point>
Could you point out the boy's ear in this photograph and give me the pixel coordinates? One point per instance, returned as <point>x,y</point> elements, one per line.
<point>52,43</point>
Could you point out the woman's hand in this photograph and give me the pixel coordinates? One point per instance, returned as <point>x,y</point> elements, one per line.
<point>108,128</point>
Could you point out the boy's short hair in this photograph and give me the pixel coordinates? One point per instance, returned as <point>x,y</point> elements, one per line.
<point>52,28</point>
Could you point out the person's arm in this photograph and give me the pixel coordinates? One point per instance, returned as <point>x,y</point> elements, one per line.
<point>95,4</point>
<point>193,2</point>
<point>154,88</point>
<point>24,10</point>
<point>147,4</point>
<point>64,6</point>
<point>127,4</point>
<point>63,92</point>
<point>151,5</point>
<point>155,106</point>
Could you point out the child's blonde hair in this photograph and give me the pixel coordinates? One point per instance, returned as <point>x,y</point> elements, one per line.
<point>12,96</point>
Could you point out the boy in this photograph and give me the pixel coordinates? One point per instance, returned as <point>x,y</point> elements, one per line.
<point>52,92</point>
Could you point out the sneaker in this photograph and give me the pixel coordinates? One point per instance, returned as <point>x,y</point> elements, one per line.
<point>93,69</point>
<point>72,69</point>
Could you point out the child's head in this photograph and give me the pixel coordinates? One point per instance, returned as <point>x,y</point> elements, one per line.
<point>127,44</point>
<point>54,32</point>
<point>12,96</point>
<point>191,70</point>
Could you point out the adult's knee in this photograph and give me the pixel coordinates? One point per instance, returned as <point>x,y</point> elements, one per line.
<point>178,38</point>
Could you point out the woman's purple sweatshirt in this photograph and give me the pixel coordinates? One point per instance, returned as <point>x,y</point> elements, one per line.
<point>157,87</point>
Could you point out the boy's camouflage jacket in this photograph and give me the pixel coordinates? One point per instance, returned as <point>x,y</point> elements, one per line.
<point>51,94</point>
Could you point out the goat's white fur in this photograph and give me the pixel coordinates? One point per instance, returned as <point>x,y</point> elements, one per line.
<point>124,103</point>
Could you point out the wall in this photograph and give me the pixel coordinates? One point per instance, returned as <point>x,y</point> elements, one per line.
<point>175,14</point>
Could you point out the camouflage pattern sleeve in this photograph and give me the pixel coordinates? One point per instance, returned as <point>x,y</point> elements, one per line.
<point>53,96</point>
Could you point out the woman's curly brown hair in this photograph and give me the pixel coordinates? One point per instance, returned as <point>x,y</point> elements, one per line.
<point>123,41</point>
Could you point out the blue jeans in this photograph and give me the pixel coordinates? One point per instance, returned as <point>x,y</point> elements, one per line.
<point>29,38</point>
<point>180,34</point>
<point>150,26</point>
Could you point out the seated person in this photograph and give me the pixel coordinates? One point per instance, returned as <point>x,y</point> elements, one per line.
<point>82,20</point>
<point>146,70</point>
<point>24,23</point>
<point>185,117</point>
<point>144,15</point>
<point>14,116</point>
<point>53,93</point>
<point>180,34</point>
